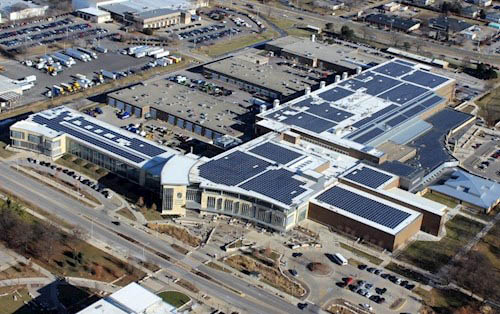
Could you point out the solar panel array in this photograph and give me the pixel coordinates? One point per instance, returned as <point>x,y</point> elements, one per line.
<point>335,94</point>
<point>424,78</point>
<point>364,207</point>
<point>310,122</point>
<point>233,168</point>
<point>368,136</point>
<point>276,153</point>
<point>276,184</point>
<point>326,111</point>
<point>393,69</point>
<point>368,177</point>
<point>100,136</point>
<point>393,82</point>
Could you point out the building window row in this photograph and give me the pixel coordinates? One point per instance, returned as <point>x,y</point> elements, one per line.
<point>17,134</point>
<point>168,199</point>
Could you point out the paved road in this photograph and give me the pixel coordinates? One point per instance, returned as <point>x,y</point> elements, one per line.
<point>254,300</point>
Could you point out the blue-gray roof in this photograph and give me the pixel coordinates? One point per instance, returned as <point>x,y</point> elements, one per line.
<point>471,189</point>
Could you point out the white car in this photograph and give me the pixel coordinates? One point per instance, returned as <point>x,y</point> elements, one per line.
<point>366,306</point>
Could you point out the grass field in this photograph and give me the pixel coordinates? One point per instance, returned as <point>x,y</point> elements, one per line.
<point>451,203</point>
<point>443,301</point>
<point>492,101</point>
<point>174,298</point>
<point>290,27</point>
<point>373,259</point>
<point>431,255</point>
<point>7,302</point>
<point>229,45</point>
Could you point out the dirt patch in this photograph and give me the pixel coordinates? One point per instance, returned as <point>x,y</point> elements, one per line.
<point>319,268</point>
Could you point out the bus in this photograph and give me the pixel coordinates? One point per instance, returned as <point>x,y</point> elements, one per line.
<point>341,260</point>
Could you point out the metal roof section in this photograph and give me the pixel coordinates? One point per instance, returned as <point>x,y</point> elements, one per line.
<point>366,208</point>
<point>272,170</point>
<point>415,200</point>
<point>356,112</point>
<point>470,188</point>
<point>123,145</point>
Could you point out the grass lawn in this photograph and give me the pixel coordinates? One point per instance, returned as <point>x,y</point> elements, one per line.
<point>443,301</point>
<point>431,255</point>
<point>373,259</point>
<point>451,203</point>
<point>151,214</point>
<point>491,100</point>
<point>236,43</point>
<point>7,302</point>
<point>290,26</point>
<point>125,212</point>
<point>174,298</point>
<point>3,152</point>
<point>84,167</point>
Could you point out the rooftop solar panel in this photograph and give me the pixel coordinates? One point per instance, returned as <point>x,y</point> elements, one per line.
<point>309,122</point>
<point>363,207</point>
<point>398,168</point>
<point>56,125</point>
<point>403,93</point>
<point>374,116</point>
<point>373,83</point>
<point>405,63</point>
<point>396,120</point>
<point>276,153</point>
<point>434,100</point>
<point>324,110</point>
<point>335,94</point>
<point>393,69</point>
<point>232,169</point>
<point>368,177</point>
<point>413,111</point>
<point>424,78</point>
<point>368,136</point>
<point>276,184</point>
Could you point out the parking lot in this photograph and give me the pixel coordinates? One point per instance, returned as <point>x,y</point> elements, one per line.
<point>46,33</point>
<point>111,61</point>
<point>479,151</point>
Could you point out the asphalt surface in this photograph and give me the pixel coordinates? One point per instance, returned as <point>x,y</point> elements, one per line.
<point>101,228</point>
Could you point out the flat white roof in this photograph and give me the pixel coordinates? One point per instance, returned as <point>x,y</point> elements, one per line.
<point>102,306</point>
<point>393,231</point>
<point>94,11</point>
<point>135,297</point>
<point>416,200</point>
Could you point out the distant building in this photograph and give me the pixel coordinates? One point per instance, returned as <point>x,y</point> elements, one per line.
<point>143,5</point>
<point>393,22</point>
<point>335,57</point>
<point>420,2</point>
<point>13,10</point>
<point>9,92</point>
<point>471,11</point>
<point>482,3</point>
<point>493,17</point>
<point>158,18</point>
<point>252,72</point>
<point>94,15</point>
<point>469,190</point>
<point>131,299</point>
<point>448,24</point>
<point>392,6</point>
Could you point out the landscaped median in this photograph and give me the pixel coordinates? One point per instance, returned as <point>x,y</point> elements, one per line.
<point>268,274</point>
